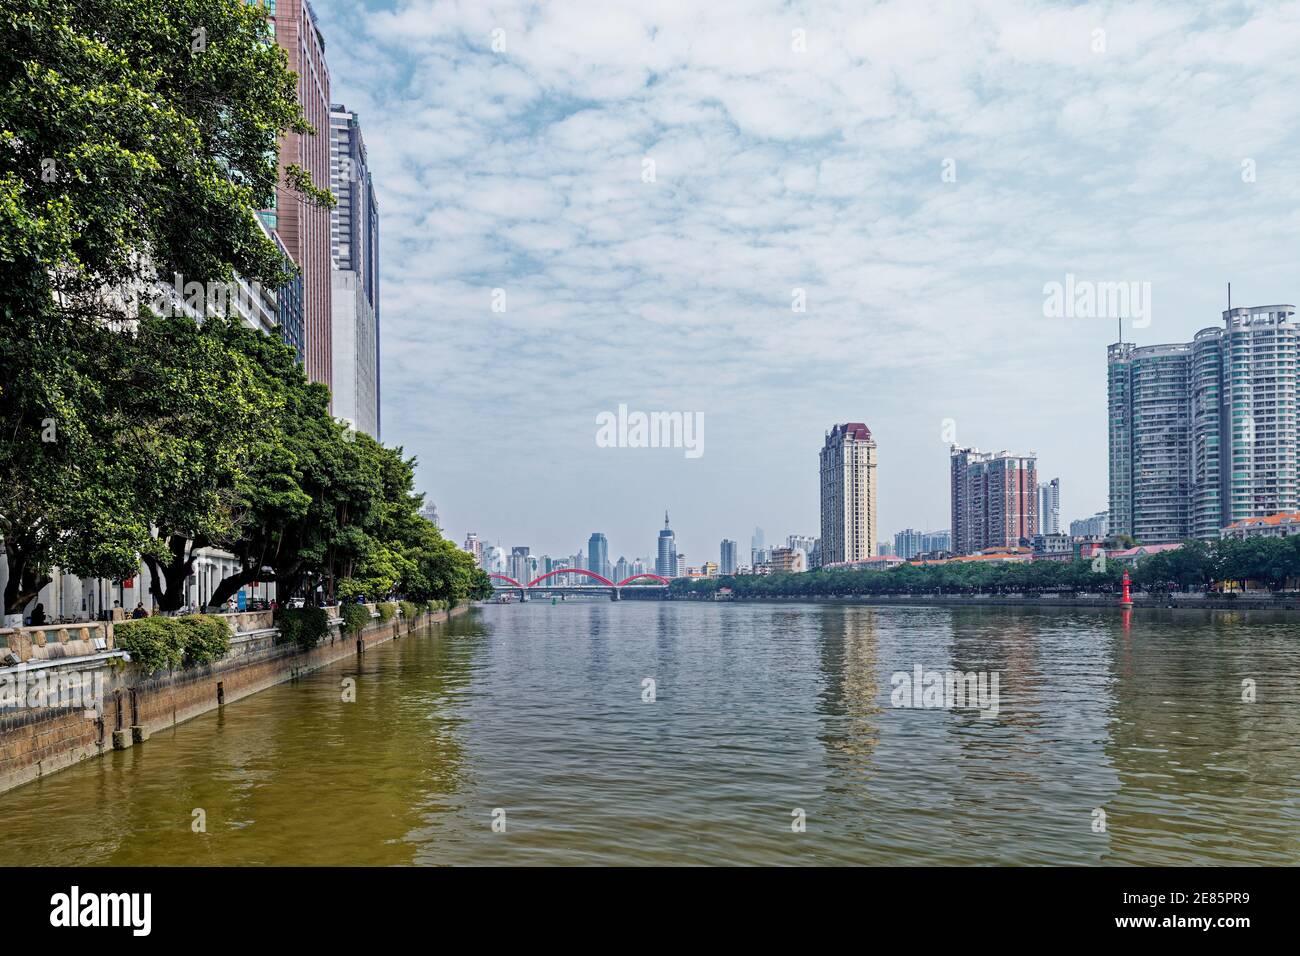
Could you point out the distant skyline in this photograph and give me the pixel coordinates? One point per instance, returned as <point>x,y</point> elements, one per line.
<point>921,172</point>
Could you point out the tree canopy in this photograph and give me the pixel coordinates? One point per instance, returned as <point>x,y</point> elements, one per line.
<point>138,140</point>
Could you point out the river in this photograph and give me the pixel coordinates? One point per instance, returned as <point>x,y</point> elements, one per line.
<point>532,734</point>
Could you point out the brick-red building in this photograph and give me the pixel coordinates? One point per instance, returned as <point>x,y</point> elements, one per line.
<point>304,227</point>
<point>994,499</point>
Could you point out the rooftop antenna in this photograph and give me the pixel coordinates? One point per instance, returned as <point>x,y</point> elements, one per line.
<point>1229,296</point>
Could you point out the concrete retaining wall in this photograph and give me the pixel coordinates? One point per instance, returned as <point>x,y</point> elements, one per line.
<point>35,741</point>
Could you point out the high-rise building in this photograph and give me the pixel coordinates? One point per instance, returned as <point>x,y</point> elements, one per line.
<point>1204,434</point>
<point>908,543</point>
<point>303,226</point>
<point>727,557</point>
<point>1095,527</point>
<point>494,560</point>
<point>622,569</point>
<point>757,546</point>
<point>1150,441</point>
<point>354,244</point>
<point>429,512</point>
<point>936,541</point>
<point>520,564</point>
<point>1049,507</point>
<point>805,542</point>
<point>666,562</point>
<point>475,547</point>
<point>1256,418</point>
<point>994,499</point>
<point>848,494</point>
<point>598,554</point>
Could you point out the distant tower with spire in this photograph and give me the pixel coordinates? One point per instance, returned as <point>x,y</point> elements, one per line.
<point>666,562</point>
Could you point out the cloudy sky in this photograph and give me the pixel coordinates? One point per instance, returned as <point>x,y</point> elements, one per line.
<point>921,171</point>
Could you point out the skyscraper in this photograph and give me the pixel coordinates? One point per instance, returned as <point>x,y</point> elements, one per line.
<point>1203,434</point>
<point>848,494</point>
<point>1150,441</point>
<point>305,227</point>
<point>1257,438</point>
<point>520,564</point>
<point>666,562</point>
<point>727,558</point>
<point>994,499</point>
<point>1049,507</point>
<point>354,243</point>
<point>598,554</point>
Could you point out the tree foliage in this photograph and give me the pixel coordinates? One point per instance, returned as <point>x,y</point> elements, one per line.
<point>137,139</point>
<point>1197,565</point>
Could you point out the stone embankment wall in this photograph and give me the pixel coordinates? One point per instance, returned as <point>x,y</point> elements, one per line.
<point>35,741</point>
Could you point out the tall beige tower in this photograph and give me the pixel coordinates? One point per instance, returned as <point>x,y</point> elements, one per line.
<point>848,473</point>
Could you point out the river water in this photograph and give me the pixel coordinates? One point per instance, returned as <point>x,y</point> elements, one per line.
<point>531,734</point>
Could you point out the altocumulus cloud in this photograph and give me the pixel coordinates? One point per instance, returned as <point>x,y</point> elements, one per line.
<point>778,168</point>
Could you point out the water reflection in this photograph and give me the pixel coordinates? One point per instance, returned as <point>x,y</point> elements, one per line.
<point>758,712</point>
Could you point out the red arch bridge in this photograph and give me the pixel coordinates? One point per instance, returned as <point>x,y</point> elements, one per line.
<point>641,583</point>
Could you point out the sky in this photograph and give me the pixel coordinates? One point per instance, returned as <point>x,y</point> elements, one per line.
<point>592,204</point>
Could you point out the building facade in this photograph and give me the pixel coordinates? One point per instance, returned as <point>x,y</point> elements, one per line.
<point>1049,507</point>
<point>520,564</point>
<point>1098,526</point>
<point>354,245</point>
<point>475,547</point>
<point>727,557</point>
<point>1282,525</point>
<point>994,499</point>
<point>788,561</point>
<point>303,226</point>
<point>1204,434</point>
<point>666,560</point>
<point>848,494</point>
<point>908,543</point>
<point>1150,441</point>
<point>598,555</point>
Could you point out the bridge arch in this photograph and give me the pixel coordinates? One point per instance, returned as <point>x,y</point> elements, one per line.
<point>591,574</point>
<point>647,574</point>
<point>502,577</point>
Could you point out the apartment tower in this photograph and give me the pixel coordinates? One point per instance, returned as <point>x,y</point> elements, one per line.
<point>848,494</point>
<point>994,499</point>
<point>1204,434</point>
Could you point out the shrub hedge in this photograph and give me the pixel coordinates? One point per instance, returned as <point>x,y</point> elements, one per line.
<point>158,642</point>
<point>355,617</point>
<point>304,626</point>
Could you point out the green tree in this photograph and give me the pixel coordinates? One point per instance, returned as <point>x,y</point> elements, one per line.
<point>137,137</point>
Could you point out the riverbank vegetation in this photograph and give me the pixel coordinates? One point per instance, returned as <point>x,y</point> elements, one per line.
<point>168,642</point>
<point>1271,563</point>
<point>132,431</point>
